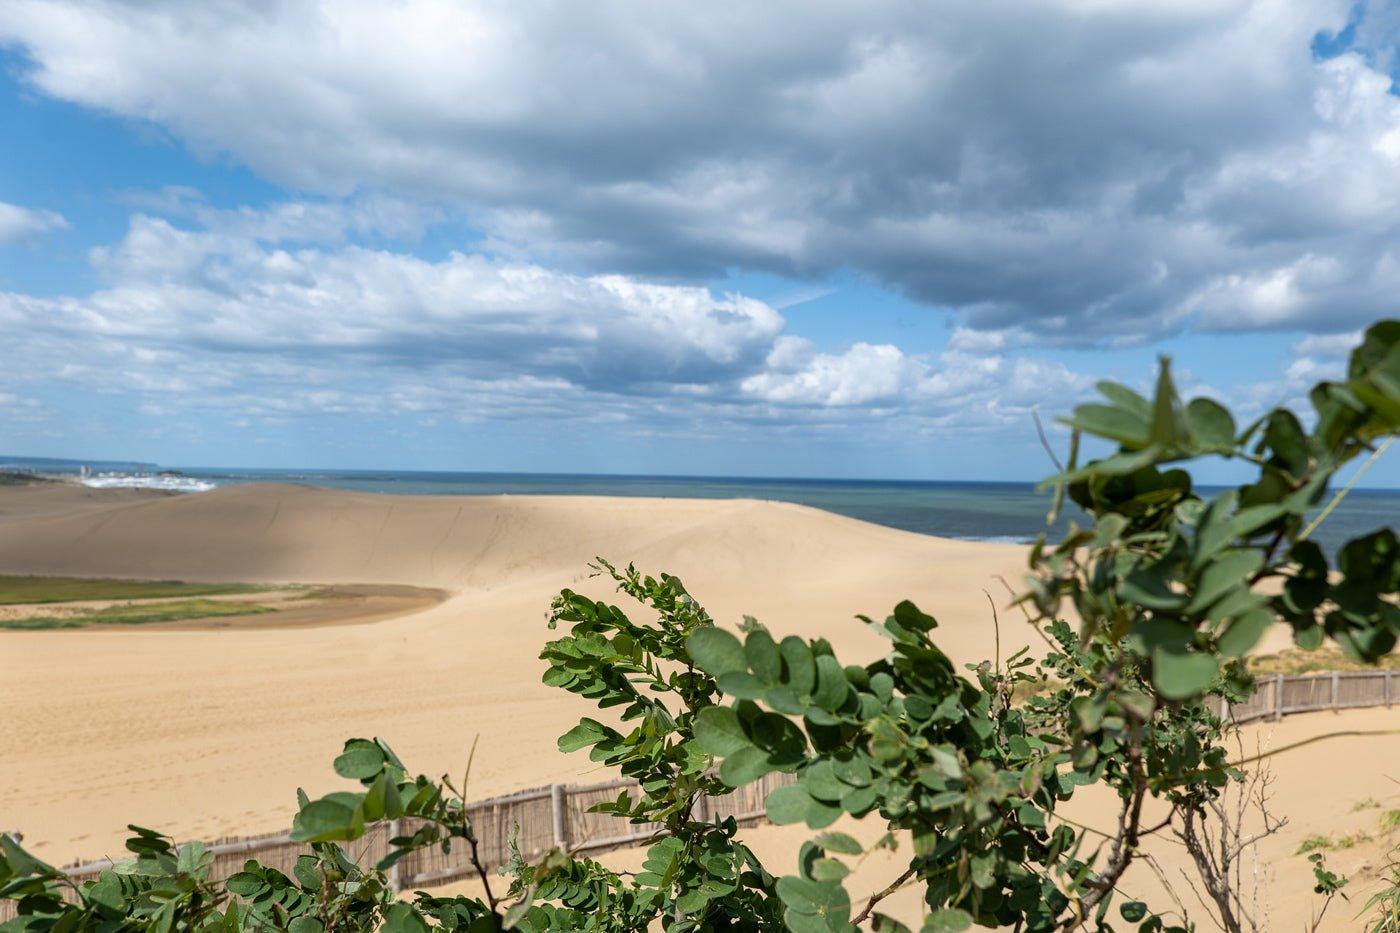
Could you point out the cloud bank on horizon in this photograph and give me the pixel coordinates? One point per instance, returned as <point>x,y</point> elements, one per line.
<point>526,212</point>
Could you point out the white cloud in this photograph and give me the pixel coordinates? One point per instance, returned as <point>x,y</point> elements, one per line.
<point>1328,346</point>
<point>863,374</point>
<point>1091,173</point>
<point>232,291</point>
<point>19,223</point>
<point>267,319</point>
<point>951,387</point>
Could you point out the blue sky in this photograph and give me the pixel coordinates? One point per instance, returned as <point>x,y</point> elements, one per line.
<point>507,237</point>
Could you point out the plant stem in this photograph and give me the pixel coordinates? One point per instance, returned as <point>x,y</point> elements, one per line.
<point>1342,493</point>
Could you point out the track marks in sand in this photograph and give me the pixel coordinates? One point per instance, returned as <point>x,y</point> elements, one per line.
<point>276,510</point>
<point>379,536</point>
<point>451,527</point>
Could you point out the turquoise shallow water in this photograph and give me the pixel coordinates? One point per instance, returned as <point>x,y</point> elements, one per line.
<point>1012,512</point>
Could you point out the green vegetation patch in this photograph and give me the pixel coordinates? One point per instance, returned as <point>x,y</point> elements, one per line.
<point>21,478</point>
<point>28,590</point>
<point>141,614</point>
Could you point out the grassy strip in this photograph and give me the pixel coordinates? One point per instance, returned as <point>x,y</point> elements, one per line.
<point>21,478</point>
<point>140,614</point>
<point>1323,660</point>
<point>29,590</point>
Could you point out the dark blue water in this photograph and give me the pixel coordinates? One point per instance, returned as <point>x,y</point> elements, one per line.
<point>1013,512</point>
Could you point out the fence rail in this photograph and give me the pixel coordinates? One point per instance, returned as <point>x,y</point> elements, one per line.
<point>551,816</point>
<point>1279,695</point>
<point>558,815</point>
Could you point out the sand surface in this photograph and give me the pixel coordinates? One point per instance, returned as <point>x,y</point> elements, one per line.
<point>207,733</point>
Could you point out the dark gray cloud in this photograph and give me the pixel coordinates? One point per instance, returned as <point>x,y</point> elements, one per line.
<point>1080,170</point>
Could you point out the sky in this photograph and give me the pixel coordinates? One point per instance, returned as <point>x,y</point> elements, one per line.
<point>783,239</point>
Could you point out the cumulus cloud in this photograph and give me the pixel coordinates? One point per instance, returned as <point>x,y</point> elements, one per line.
<point>261,315</point>
<point>19,223</point>
<point>234,292</point>
<point>1085,172</point>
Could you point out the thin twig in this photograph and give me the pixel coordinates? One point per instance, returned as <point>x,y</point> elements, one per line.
<point>996,626</point>
<point>877,898</point>
<point>1045,442</point>
<point>1349,733</point>
<point>1342,493</point>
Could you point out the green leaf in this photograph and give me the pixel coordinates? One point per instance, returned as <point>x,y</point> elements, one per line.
<point>1181,674</point>
<point>1244,632</point>
<point>826,902</point>
<point>829,869</point>
<point>1310,638</point>
<point>305,925</point>
<point>1115,424</point>
<point>763,657</point>
<point>788,804</point>
<point>716,651</point>
<point>947,920</point>
<point>1284,435</point>
<point>801,666</point>
<point>1168,427</point>
<point>308,873</point>
<point>326,820</point>
<point>361,759</point>
<point>587,732</point>
<point>719,732</point>
<point>839,842</point>
<point>832,687</point>
<point>402,918</point>
<point>779,736</point>
<point>245,883</point>
<point>822,783</point>
<point>1132,911</point>
<point>1211,424</point>
<point>740,684</point>
<point>1148,588</point>
<point>1125,398</point>
<point>910,616</point>
<point>1224,573</point>
<point>744,766</point>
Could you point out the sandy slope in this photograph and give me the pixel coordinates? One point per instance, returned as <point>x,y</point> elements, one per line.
<point>206,733</point>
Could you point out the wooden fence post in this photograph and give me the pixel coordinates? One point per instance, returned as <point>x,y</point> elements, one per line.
<point>557,803</point>
<point>396,879</point>
<point>1336,680</point>
<point>1388,694</point>
<point>1278,697</point>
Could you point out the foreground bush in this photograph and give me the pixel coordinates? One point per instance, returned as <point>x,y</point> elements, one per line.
<point>971,767</point>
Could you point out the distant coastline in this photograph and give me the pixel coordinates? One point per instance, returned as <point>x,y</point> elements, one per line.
<point>998,512</point>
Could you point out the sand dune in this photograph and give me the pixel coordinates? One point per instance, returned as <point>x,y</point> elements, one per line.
<point>206,733</point>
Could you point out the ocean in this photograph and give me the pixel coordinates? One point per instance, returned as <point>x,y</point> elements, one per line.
<point>974,511</point>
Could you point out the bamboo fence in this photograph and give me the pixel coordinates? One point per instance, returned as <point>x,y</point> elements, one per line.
<point>557,815</point>
<point>1278,695</point>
